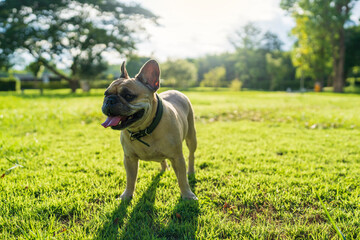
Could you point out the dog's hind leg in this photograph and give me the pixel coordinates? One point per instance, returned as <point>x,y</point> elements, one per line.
<point>179,167</point>
<point>191,141</point>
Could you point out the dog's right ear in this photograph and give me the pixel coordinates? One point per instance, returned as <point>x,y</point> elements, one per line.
<point>149,75</point>
<point>124,73</point>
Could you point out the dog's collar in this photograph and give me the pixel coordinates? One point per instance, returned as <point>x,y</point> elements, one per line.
<point>151,127</point>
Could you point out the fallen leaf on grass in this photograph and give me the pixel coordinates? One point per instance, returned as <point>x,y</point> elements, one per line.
<point>178,216</point>
<point>226,205</point>
<point>2,176</point>
<point>59,232</point>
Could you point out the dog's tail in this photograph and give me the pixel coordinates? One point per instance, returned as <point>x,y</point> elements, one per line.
<point>191,140</point>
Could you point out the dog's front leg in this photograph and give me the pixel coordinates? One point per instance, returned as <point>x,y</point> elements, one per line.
<point>180,170</point>
<point>131,167</point>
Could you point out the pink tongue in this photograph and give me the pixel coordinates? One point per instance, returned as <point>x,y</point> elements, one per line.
<point>111,121</point>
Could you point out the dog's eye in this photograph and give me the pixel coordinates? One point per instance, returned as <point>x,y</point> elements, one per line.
<point>129,97</point>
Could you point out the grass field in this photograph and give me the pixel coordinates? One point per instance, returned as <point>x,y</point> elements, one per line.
<point>262,159</point>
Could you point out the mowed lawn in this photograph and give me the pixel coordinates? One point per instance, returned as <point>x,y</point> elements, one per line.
<point>263,159</point>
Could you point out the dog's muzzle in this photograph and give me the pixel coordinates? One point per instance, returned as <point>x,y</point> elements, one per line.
<point>109,103</point>
<point>119,114</point>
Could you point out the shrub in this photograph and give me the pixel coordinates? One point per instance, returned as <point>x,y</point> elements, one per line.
<point>100,83</point>
<point>236,85</point>
<point>55,85</point>
<point>214,78</point>
<point>61,84</point>
<point>178,73</point>
<point>40,85</point>
<point>9,84</point>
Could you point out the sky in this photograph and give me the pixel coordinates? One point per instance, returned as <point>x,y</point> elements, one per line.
<point>194,28</point>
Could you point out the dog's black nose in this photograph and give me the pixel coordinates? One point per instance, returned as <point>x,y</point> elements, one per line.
<point>109,103</point>
<point>111,100</point>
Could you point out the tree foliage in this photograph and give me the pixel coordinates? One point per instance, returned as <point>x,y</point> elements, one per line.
<point>75,33</point>
<point>262,64</point>
<point>36,69</point>
<point>207,63</point>
<point>214,78</point>
<point>280,71</point>
<point>258,61</point>
<point>312,51</point>
<point>320,29</point>
<point>352,56</point>
<point>178,73</point>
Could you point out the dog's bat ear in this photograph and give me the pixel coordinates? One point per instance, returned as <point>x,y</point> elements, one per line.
<point>124,73</point>
<point>149,75</point>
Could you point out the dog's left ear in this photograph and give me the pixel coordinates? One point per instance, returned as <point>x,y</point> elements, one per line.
<point>149,75</point>
<point>124,73</point>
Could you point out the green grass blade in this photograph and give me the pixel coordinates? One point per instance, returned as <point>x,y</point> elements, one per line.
<point>13,167</point>
<point>340,234</point>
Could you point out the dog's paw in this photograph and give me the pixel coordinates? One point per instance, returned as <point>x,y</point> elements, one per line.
<point>189,196</point>
<point>126,196</point>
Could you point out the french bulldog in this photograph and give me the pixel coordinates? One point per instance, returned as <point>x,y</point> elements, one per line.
<point>153,125</point>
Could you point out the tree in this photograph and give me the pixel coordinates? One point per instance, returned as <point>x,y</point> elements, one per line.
<point>279,68</point>
<point>208,62</point>
<point>271,42</point>
<point>36,69</point>
<point>76,33</point>
<point>250,58</point>
<point>312,53</point>
<point>280,71</point>
<point>352,56</point>
<point>259,62</point>
<point>178,73</point>
<point>247,37</point>
<point>322,23</point>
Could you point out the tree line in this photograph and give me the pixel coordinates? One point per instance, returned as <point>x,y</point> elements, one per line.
<point>257,62</point>
<point>76,34</point>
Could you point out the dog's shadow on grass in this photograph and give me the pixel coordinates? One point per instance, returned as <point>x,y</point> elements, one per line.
<point>183,222</point>
<point>116,220</point>
<point>143,222</point>
<point>142,213</point>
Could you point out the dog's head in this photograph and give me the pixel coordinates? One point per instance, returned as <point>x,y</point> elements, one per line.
<point>128,101</point>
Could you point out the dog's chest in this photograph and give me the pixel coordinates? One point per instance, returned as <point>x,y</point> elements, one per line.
<point>152,153</point>
<point>155,152</point>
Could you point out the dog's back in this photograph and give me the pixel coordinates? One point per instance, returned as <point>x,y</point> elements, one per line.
<point>181,106</point>
<point>177,99</point>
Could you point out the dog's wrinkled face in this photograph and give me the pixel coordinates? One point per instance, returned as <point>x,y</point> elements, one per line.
<point>127,100</point>
<point>125,103</point>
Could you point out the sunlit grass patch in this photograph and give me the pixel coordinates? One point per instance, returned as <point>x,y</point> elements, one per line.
<point>260,162</point>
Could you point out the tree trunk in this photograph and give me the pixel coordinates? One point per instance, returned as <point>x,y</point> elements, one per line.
<point>339,60</point>
<point>74,84</point>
